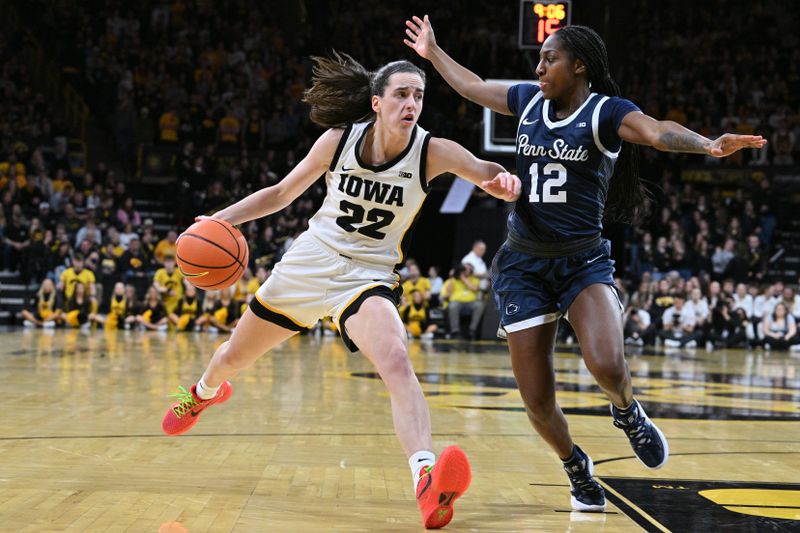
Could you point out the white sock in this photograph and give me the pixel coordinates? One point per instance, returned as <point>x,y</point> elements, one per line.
<point>204,392</point>
<point>417,461</point>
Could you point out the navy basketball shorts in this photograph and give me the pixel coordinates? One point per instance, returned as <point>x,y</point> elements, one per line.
<point>530,291</point>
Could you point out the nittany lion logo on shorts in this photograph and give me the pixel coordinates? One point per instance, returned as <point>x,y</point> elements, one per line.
<point>512,309</point>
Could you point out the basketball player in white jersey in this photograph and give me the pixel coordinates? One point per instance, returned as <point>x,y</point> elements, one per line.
<point>378,164</point>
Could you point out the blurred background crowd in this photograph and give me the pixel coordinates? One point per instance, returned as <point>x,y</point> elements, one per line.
<point>211,119</point>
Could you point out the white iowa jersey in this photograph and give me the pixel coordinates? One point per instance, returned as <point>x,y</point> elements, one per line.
<point>369,210</point>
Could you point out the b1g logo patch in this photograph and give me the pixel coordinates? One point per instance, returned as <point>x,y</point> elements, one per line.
<point>512,309</point>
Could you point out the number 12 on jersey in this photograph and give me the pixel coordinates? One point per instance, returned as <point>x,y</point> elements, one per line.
<point>559,178</point>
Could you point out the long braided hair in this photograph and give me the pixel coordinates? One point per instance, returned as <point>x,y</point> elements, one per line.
<point>628,198</point>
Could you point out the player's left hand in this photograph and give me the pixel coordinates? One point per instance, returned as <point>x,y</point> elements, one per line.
<point>505,186</point>
<point>729,143</point>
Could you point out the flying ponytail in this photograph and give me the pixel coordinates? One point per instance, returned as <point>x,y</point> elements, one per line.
<point>342,89</point>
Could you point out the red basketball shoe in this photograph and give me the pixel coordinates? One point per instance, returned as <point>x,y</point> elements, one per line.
<point>441,485</point>
<point>185,413</point>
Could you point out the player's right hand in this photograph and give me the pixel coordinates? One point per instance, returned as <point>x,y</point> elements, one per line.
<point>505,186</point>
<point>420,36</point>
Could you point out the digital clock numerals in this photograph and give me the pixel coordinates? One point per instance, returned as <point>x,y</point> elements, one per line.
<point>551,17</point>
<point>539,19</point>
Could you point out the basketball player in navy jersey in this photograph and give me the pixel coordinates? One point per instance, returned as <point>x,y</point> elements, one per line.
<point>577,159</point>
<point>378,164</point>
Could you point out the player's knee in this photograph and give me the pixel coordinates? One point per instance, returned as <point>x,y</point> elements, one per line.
<point>395,364</point>
<point>609,368</point>
<point>540,407</point>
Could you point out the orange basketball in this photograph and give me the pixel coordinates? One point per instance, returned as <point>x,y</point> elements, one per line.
<point>212,254</point>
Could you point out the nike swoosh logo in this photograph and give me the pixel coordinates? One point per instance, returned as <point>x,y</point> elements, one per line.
<point>526,122</point>
<point>427,486</point>
<point>188,275</point>
<point>347,169</point>
<point>595,259</point>
<point>195,413</point>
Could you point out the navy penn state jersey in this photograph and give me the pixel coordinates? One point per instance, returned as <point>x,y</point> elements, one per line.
<point>565,165</point>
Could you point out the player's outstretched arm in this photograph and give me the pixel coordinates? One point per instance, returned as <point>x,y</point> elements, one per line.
<point>669,136</point>
<point>468,84</point>
<point>272,199</point>
<point>445,155</point>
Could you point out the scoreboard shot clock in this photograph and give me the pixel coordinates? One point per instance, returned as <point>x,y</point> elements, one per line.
<point>540,19</point>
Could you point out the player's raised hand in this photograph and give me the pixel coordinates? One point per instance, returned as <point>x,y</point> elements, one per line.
<point>505,186</point>
<point>420,36</point>
<point>729,143</point>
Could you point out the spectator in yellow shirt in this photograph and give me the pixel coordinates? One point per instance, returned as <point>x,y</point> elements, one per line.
<point>166,246</point>
<point>187,311</point>
<point>460,291</point>
<point>168,125</point>
<point>154,315</point>
<point>246,286</point>
<point>229,130</point>
<point>45,312</point>
<point>168,281</point>
<point>415,317</point>
<point>74,275</point>
<point>417,282</point>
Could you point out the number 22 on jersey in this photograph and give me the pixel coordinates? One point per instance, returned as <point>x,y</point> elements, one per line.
<point>558,178</point>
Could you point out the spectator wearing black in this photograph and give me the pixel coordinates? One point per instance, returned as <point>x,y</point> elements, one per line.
<point>661,301</point>
<point>184,162</point>
<point>729,326</point>
<point>133,265</point>
<point>69,218</point>
<point>780,329</point>
<point>46,215</point>
<point>105,214</point>
<point>148,244</point>
<point>254,130</point>
<point>643,255</point>
<point>756,259</point>
<point>16,239</point>
<point>38,253</point>
<point>661,256</point>
<point>681,261</point>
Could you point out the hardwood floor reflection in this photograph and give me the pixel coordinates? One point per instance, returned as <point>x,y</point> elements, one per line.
<point>306,442</point>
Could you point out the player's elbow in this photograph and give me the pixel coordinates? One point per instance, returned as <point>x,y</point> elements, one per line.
<point>277,197</point>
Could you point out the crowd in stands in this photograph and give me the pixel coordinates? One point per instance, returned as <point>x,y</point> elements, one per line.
<point>230,75</point>
<point>451,307</point>
<point>686,313</point>
<point>726,85</point>
<point>220,84</point>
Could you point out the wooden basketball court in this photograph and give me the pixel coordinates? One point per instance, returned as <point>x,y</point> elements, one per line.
<point>306,442</point>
